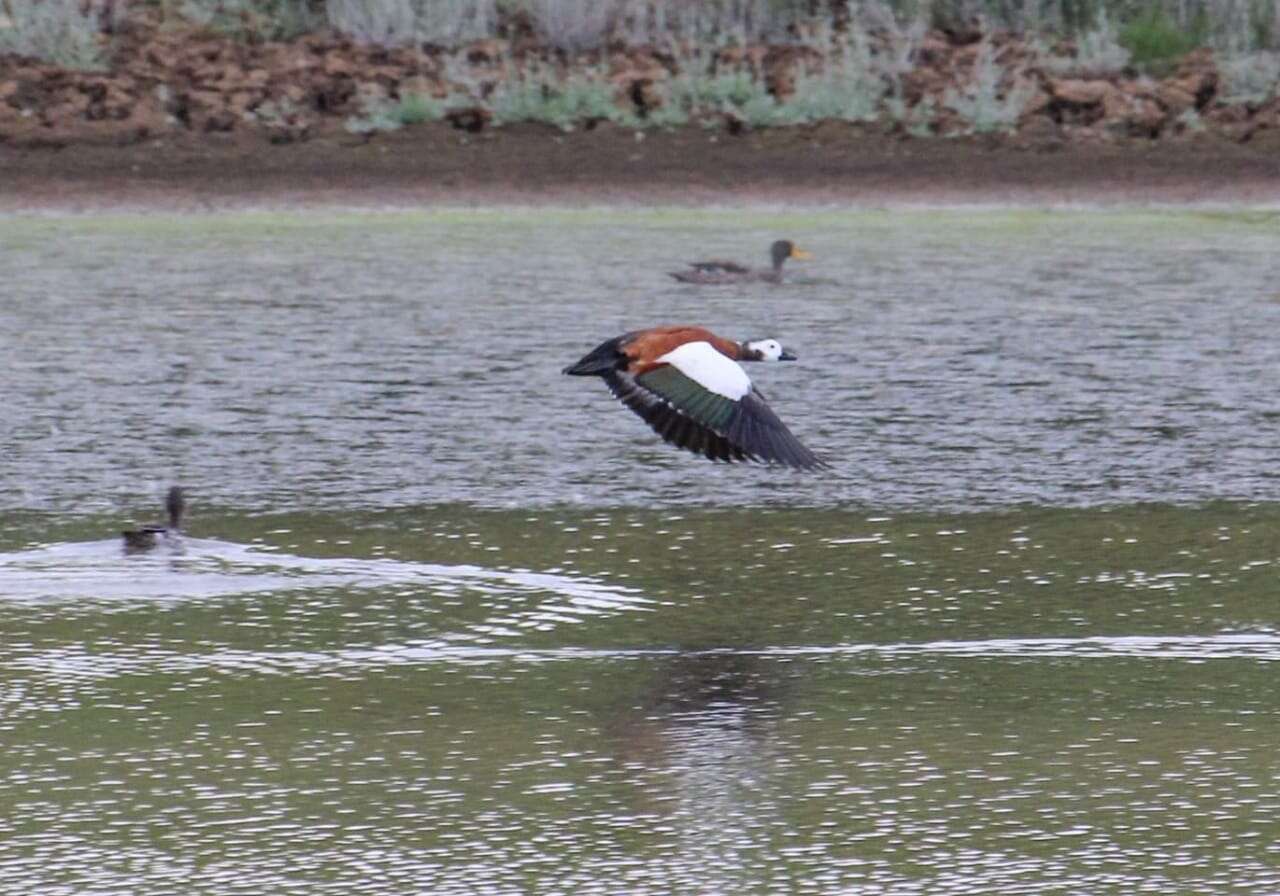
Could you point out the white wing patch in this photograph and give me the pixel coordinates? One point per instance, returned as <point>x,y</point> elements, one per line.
<point>700,362</point>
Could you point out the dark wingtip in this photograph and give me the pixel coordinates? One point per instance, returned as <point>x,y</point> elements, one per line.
<point>807,462</point>
<point>800,457</point>
<point>815,465</point>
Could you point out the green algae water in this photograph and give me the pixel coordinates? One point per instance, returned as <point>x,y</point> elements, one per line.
<point>446,621</point>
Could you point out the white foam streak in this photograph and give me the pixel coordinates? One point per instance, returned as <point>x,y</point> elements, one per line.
<point>206,568</point>
<point>75,661</point>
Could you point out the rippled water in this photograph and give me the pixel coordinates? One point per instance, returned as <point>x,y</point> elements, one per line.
<point>448,622</point>
<point>949,359</point>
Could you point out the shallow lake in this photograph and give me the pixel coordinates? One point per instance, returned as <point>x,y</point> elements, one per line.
<point>447,621</point>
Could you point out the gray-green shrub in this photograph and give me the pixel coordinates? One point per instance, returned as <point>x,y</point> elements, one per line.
<point>981,104</point>
<point>385,114</point>
<point>849,87</point>
<point>64,32</point>
<point>538,92</point>
<point>253,19</point>
<point>1250,77</point>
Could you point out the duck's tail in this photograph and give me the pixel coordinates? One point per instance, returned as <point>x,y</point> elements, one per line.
<point>604,358</point>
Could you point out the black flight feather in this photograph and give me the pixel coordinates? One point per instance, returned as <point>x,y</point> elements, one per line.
<point>688,415</point>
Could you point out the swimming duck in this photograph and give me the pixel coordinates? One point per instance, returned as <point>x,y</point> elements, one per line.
<point>685,383</point>
<point>136,541</point>
<point>717,271</point>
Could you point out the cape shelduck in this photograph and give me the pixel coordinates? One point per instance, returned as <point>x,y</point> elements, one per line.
<point>717,271</point>
<point>684,382</point>
<point>146,537</point>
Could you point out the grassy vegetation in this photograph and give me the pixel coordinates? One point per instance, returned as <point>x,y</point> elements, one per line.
<point>1251,77</point>
<point>1154,40</point>
<point>1151,29</point>
<point>1159,26</point>
<point>251,19</point>
<point>1097,49</point>
<point>539,92</point>
<point>849,88</point>
<point>64,32</point>
<point>865,48</point>
<point>984,104</point>
<point>385,114</point>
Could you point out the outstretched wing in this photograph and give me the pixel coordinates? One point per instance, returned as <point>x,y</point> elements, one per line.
<point>669,422</point>
<point>703,402</point>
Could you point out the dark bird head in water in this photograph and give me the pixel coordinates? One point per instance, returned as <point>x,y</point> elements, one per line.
<point>784,249</point>
<point>146,538</point>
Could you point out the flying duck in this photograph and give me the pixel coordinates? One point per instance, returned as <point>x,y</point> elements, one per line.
<point>717,271</point>
<point>685,383</point>
<point>145,538</point>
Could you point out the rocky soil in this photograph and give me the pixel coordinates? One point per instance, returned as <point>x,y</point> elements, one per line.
<point>170,80</point>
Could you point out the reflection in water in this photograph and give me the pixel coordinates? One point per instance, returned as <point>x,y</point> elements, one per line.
<point>965,705</point>
<point>704,726</point>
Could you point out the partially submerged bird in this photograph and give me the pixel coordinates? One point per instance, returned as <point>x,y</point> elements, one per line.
<point>686,384</point>
<point>145,538</point>
<point>716,271</point>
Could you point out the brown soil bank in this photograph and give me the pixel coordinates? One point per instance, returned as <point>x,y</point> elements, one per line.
<point>167,78</point>
<point>829,163</point>
<point>185,114</point>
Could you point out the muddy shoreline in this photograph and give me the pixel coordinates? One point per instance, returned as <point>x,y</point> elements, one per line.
<point>530,164</point>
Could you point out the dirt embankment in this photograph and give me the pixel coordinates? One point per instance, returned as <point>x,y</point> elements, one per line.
<point>530,164</point>
<point>166,77</point>
<point>189,115</point>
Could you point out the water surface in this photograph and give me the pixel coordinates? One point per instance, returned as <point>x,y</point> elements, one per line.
<point>446,621</point>
<point>947,359</point>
